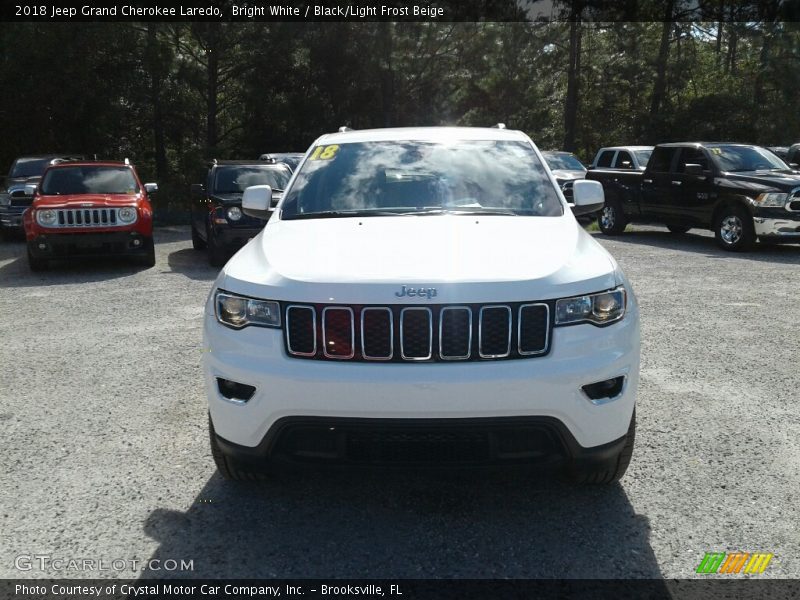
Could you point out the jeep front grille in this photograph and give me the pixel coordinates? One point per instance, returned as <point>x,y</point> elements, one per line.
<point>87,217</point>
<point>417,333</point>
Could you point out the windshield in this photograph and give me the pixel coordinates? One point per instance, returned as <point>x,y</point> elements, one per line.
<point>29,167</point>
<point>415,177</point>
<point>567,162</point>
<point>745,158</point>
<point>234,179</point>
<point>89,180</point>
<point>642,156</point>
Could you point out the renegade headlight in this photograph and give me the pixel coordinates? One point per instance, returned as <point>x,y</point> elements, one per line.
<point>598,309</point>
<point>126,214</point>
<point>46,217</point>
<point>239,311</point>
<point>234,213</point>
<point>774,199</point>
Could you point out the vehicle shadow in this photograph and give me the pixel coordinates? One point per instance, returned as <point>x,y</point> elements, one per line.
<point>400,524</point>
<point>704,243</point>
<point>192,264</point>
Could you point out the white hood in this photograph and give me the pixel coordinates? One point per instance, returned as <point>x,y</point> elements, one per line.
<point>466,258</point>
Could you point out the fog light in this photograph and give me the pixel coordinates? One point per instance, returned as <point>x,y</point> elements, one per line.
<point>235,391</point>
<point>42,246</point>
<point>137,242</point>
<point>604,390</point>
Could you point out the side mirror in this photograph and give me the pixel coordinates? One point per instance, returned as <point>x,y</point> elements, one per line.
<point>151,188</point>
<point>257,201</point>
<point>693,170</point>
<point>588,197</point>
<point>30,189</point>
<point>197,189</point>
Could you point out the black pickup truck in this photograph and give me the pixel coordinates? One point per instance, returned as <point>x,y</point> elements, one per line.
<point>740,192</point>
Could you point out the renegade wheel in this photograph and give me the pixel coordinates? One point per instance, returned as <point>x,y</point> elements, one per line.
<point>611,471</point>
<point>611,219</point>
<point>678,229</point>
<point>216,253</point>
<point>198,243</point>
<point>149,258</point>
<point>35,263</point>
<point>734,229</point>
<point>231,468</point>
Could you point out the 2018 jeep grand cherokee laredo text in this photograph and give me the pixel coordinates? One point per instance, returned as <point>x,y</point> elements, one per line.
<point>423,294</point>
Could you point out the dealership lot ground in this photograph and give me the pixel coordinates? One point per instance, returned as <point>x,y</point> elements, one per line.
<point>105,452</point>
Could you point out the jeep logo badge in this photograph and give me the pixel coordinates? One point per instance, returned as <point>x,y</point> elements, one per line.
<point>420,292</point>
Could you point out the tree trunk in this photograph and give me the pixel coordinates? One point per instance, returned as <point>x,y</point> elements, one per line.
<point>212,89</point>
<point>660,86</point>
<point>573,82</point>
<point>156,81</point>
<point>386,73</point>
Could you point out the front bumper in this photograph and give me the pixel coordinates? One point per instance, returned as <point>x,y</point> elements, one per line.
<point>547,387</point>
<point>783,225</point>
<point>80,244</point>
<point>234,238</point>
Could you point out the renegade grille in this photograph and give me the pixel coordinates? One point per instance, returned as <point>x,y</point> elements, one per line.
<point>417,333</point>
<point>87,217</point>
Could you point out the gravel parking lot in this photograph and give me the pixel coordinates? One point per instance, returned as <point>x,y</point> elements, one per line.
<point>105,451</point>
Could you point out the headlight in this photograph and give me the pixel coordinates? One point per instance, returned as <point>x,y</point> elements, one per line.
<point>46,217</point>
<point>5,199</point>
<point>127,214</point>
<point>234,213</point>
<point>598,309</point>
<point>775,199</point>
<point>238,311</point>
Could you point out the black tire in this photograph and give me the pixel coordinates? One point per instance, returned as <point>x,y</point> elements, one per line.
<point>611,218</point>
<point>35,263</point>
<point>231,468</point>
<point>611,471</point>
<point>217,256</point>
<point>148,260</point>
<point>734,229</point>
<point>198,243</point>
<point>678,229</point>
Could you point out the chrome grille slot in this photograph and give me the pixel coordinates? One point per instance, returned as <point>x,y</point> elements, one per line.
<point>533,329</point>
<point>301,330</point>
<point>377,333</point>
<point>494,331</point>
<point>338,332</point>
<point>455,333</point>
<point>413,333</point>
<point>416,333</point>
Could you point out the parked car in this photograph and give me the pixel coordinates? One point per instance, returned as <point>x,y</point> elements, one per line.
<point>566,169</point>
<point>292,159</point>
<point>15,199</point>
<point>423,294</point>
<point>218,224</point>
<point>90,209</point>
<point>740,192</point>
<point>625,158</point>
<point>781,152</point>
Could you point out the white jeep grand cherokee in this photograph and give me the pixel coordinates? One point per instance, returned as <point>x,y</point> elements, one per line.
<point>423,295</point>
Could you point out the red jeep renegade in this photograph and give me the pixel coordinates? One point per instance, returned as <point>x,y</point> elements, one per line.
<point>90,209</point>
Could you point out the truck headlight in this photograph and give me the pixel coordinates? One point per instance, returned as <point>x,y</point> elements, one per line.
<point>598,309</point>
<point>240,311</point>
<point>127,214</point>
<point>46,217</point>
<point>774,199</point>
<point>234,213</point>
<point>5,199</point>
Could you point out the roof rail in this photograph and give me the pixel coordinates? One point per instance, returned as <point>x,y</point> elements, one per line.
<point>499,126</point>
<point>344,128</point>
<point>267,158</point>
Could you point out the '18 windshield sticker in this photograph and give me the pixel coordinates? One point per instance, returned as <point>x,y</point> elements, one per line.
<point>324,152</point>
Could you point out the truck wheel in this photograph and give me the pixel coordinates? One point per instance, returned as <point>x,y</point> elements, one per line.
<point>611,219</point>
<point>231,468</point>
<point>734,230</point>
<point>148,260</point>
<point>216,253</point>
<point>678,229</point>
<point>35,263</point>
<point>609,472</point>
<point>198,243</point>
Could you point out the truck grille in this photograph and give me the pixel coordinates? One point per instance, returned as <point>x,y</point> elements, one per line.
<point>87,217</point>
<point>418,333</point>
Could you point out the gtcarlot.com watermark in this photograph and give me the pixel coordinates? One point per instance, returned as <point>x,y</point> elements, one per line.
<point>46,562</point>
